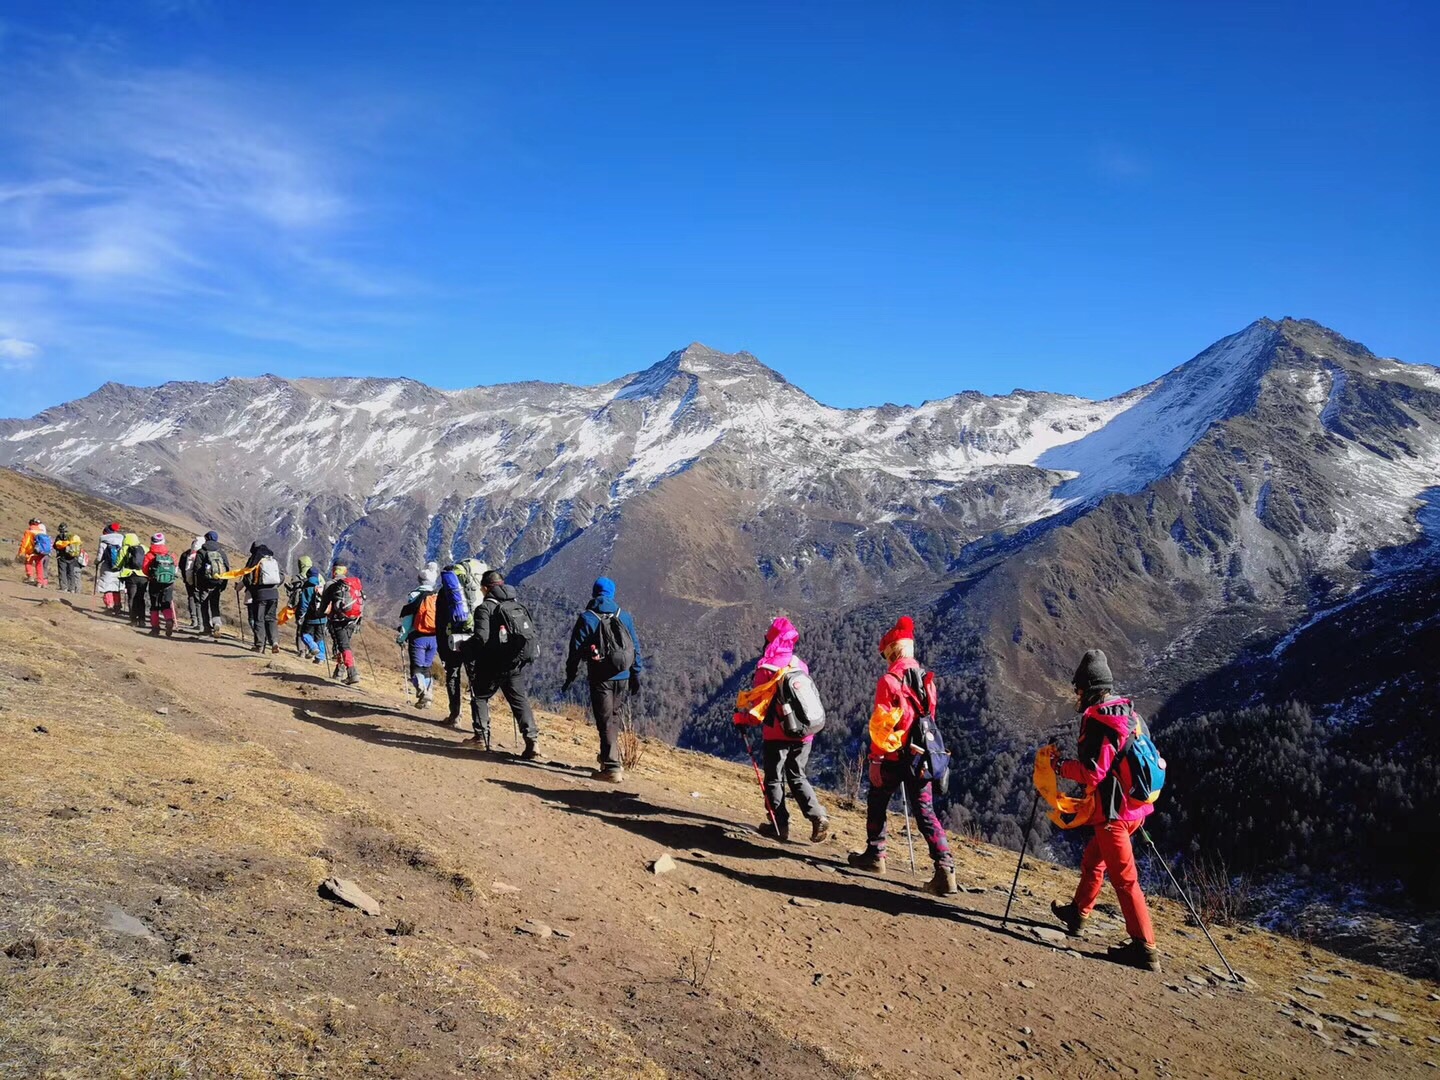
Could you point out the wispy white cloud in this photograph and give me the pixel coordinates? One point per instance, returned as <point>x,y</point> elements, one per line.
<point>17,355</point>
<point>154,195</point>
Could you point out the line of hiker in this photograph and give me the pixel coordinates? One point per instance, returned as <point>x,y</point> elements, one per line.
<point>465,616</point>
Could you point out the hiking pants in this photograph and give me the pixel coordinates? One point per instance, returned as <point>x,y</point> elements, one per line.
<point>313,638</point>
<point>262,622</point>
<point>210,619</point>
<point>1110,851</point>
<point>606,698</point>
<point>114,602</point>
<point>342,634</point>
<point>785,764</point>
<point>136,594</point>
<point>512,685</point>
<point>192,604</point>
<point>885,778</point>
<point>72,575</point>
<point>456,669</point>
<point>35,569</point>
<point>162,602</point>
<point>422,650</point>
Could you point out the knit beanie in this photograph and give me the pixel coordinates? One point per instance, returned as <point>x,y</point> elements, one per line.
<point>427,578</point>
<point>491,578</point>
<point>212,536</point>
<point>1093,672</point>
<point>158,538</point>
<point>903,630</point>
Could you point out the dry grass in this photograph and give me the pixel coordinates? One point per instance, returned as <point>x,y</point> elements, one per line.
<point>219,848</point>
<point>632,747</point>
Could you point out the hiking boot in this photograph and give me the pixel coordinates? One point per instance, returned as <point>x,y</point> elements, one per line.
<point>608,776</point>
<point>316,660</point>
<point>275,650</point>
<point>819,830</point>
<point>1070,917</point>
<point>352,676</point>
<point>155,631</point>
<point>477,742</point>
<point>257,647</point>
<point>771,831</point>
<point>943,883</point>
<point>169,631</point>
<point>531,751</point>
<point>868,860</point>
<point>1135,954</point>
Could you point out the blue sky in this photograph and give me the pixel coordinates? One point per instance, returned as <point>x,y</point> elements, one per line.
<point>884,202</point>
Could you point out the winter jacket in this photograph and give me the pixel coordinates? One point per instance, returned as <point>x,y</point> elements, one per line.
<point>201,580</point>
<point>1104,730</point>
<point>893,713</point>
<point>779,655</point>
<point>307,603</point>
<point>158,549</point>
<point>132,557</point>
<point>106,579</point>
<point>254,590</point>
<point>587,626</point>
<point>27,542</point>
<point>69,547</point>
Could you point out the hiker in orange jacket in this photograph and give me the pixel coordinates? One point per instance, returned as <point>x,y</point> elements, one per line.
<point>34,550</point>
<point>1106,724</point>
<point>900,693</point>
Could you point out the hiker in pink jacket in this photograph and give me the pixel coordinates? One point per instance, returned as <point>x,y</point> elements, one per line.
<point>786,758</point>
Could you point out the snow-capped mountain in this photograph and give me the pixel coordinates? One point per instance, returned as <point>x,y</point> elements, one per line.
<point>716,491</point>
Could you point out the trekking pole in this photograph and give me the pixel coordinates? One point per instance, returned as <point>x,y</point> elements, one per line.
<point>1193,913</point>
<point>1024,843</point>
<point>760,779</point>
<point>360,637</point>
<point>909,840</point>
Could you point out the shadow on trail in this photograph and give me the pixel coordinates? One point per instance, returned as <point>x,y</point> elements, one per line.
<point>851,893</point>
<point>302,677</point>
<point>712,837</point>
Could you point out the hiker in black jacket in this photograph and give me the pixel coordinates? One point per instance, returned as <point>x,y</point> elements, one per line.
<point>504,644</point>
<point>211,562</point>
<point>263,579</point>
<point>604,639</point>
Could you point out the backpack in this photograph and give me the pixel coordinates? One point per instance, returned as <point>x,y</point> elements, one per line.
<point>925,755</point>
<point>469,572</point>
<point>211,566</point>
<point>801,712</point>
<point>425,616</point>
<point>1146,766</point>
<point>110,557</point>
<point>270,571</point>
<point>349,602</point>
<point>43,544</point>
<point>83,558</point>
<point>162,570</point>
<point>612,650</point>
<point>513,630</point>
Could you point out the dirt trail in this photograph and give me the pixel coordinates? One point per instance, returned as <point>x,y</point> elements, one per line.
<point>752,955</point>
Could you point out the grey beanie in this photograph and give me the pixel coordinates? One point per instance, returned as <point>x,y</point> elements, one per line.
<point>1093,672</point>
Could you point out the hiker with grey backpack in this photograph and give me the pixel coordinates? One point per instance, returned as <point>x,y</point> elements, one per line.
<point>604,639</point>
<point>263,578</point>
<point>783,702</point>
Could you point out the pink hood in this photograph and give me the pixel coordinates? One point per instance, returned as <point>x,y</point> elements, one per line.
<point>780,642</point>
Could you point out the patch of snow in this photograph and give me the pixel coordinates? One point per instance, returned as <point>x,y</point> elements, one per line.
<point>1338,382</point>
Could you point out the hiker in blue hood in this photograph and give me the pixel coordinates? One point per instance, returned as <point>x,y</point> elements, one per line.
<point>604,638</point>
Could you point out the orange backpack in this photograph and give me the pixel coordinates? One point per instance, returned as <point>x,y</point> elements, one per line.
<point>425,617</point>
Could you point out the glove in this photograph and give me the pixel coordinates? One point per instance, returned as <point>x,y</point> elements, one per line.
<point>634,683</point>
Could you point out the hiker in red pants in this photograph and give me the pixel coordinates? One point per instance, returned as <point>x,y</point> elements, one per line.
<point>1106,724</point>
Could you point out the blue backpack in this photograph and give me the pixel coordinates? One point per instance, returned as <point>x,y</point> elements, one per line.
<point>926,758</point>
<point>1147,767</point>
<point>43,544</point>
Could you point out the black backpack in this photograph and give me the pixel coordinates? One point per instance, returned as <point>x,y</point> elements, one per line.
<point>801,711</point>
<point>612,650</point>
<point>925,755</point>
<point>513,633</point>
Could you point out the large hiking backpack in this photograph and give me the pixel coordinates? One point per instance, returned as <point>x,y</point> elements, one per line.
<point>43,544</point>
<point>424,622</point>
<point>925,755</point>
<point>110,557</point>
<point>162,570</point>
<point>1146,766</point>
<point>798,701</point>
<point>270,570</point>
<point>349,602</point>
<point>612,650</point>
<point>513,632</point>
